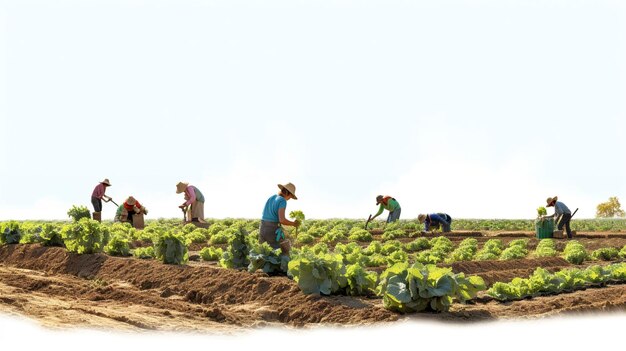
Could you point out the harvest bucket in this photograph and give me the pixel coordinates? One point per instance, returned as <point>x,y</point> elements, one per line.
<point>544,228</point>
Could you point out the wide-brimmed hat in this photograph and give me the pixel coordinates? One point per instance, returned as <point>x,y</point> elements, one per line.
<point>551,199</point>
<point>421,218</point>
<point>290,188</point>
<point>106,182</point>
<point>180,187</point>
<point>379,199</point>
<point>131,201</point>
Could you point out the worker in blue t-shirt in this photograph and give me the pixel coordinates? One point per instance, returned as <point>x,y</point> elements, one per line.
<point>434,220</point>
<point>271,231</point>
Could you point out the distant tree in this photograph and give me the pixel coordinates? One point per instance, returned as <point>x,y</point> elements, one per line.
<point>609,209</point>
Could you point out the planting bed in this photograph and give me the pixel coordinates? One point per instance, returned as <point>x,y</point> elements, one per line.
<point>62,289</point>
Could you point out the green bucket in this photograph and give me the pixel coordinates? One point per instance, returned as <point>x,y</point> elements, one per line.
<point>544,228</point>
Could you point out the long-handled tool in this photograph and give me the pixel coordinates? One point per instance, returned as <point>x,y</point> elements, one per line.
<point>111,200</point>
<point>184,209</point>
<point>369,219</point>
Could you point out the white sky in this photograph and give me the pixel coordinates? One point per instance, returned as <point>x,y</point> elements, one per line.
<point>481,109</point>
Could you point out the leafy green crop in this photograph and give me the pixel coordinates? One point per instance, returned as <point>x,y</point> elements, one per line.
<point>118,245</point>
<point>393,234</point>
<point>236,256</point>
<point>170,248</point>
<point>417,245</point>
<point>543,282</point>
<point>78,212</point>
<point>50,235</point>
<point>10,233</point>
<point>575,252</point>
<point>266,258</point>
<point>84,236</point>
<point>360,281</point>
<point>298,216</point>
<point>605,254</point>
<point>211,253</point>
<point>546,248</point>
<point>541,211</point>
<point>517,249</point>
<point>491,250</point>
<point>324,274</point>
<point>415,288</point>
<point>359,234</point>
<point>375,247</point>
<point>144,252</point>
<point>465,251</point>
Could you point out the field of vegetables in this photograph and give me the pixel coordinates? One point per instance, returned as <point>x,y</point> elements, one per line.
<point>171,276</point>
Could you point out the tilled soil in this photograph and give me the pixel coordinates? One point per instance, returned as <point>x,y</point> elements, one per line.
<point>228,297</point>
<point>61,289</point>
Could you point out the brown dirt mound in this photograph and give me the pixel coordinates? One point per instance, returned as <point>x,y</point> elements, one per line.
<point>220,291</point>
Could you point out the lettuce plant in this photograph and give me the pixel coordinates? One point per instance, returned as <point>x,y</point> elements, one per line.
<point>170,248</point>
<point>84,236</point>
<point>10,233</point>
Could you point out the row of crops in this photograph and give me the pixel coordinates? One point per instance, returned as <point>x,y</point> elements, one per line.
<point>333,259</point>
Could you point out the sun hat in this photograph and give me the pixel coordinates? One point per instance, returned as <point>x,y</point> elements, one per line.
<point>551,199</point>
<point>290,188</point>
<point>421,218</point>
<point>379,199</point>
<point>106,181</point>
<point>180,187</point>
<point>131,201</point>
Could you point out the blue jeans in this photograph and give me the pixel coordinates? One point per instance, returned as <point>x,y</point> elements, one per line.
<point>394,215</point>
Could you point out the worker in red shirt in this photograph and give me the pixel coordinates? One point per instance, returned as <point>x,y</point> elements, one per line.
<point>98,195</point>
<point>126,210</point>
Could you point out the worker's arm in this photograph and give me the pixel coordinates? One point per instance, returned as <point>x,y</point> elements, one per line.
<point>283,220</point>
<point>192,195</point>
<point>426,226</point>
<point>380,210</point>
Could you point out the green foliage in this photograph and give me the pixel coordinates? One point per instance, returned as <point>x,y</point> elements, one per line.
<point>118,245</point>
<point>546,248</point>
<point>359,234</point>
<point>266,258</point>
<point>541,211</point>
<point>324,274</point>
<point>170,248</point>
<point>360,281</point>
<point>374,260</point>
<point>298,216</point>
<point>10,233</point>
<point>305,238</point>
<point>575,252</point>
<point>396,257</point>
<point>50,235</point>
<point>78,212</point>
<point>417,245</point>
<point>418,287</point>
<point>390,247</point>
<point>393,234</point>
<point>84,236</point>
<point>144,252</point>
<point>491,250</point>
<point>375,247</point>
<point>236,256</point>
<point>188,228</point>
<point>440,248</point>
<point>465,251</point>
<point>211,253</point>
<point>543,282</point>
<point>223,237</point>
<point>517,249</point>
<point>334,236</point>
<point>198,235</point>
<point>622,252</point>
<point>605,254</point>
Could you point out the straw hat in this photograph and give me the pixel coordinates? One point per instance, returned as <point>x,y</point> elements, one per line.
<point>180,187</point>
<point>421,218</point>
<point>551,199</point>
<point>106,182</point>
<point>291,188</point>
<point>131,201</point>
<point>379,199</point>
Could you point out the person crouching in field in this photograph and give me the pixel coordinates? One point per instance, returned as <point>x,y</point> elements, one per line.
<point>435,220</point>
<point>126,210</point>
<point>193,197</point>
<point>560,210</point>
<point>390,204</point>
<point>271,231</point>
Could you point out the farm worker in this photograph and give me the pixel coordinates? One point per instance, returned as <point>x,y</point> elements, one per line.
<point>434,220</point>
<point>127,209</point>
<point>193,197</point>
<point>560,210</point>
<point>273,218</point>
<point>390,204</point>
<point>98,195</point>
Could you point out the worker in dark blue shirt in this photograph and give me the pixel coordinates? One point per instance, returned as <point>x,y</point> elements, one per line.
<point>435,220</point>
